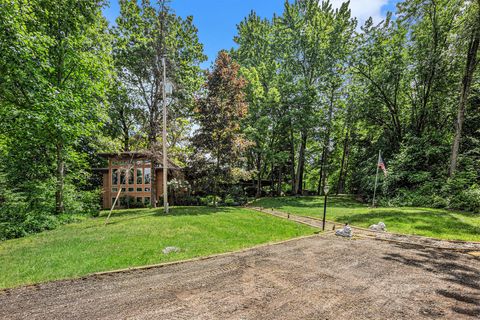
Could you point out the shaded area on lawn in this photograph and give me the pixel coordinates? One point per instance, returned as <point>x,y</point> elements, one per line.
<point>421,222</point>
<point>136,237</point>
<point>173,211</point>
<point>312,202</point>
<point>460,275</point>
<point>133,214</point>
<point>435,223</point>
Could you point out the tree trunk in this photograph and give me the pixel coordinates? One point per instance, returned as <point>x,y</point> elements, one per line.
<point>324,173</point>
<point>280,176</point>
<point>153,182</point>
<point>319,188</point>
<point>126,144</point>
<point>341,181</point>
<point>327,143</point>
<point>215,191</point>
<point>125,131</point>
<point>153,175</point>
<point>126,138</point>
<point>259,176</point>
<point>60,174</point>
<point>215,183</point>
<point>272,180</point>
<point>152,141</point>
<point>59,207</point>
<point>292,161</point>
<point>347,163</point>
<point>464,92</point>
<point>301,164</point>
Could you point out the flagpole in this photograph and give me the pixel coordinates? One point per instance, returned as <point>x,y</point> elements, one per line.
<point>164,139</point>
<point>376,178</point>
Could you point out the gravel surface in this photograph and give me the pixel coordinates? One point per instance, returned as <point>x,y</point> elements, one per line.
<point>321,277</point>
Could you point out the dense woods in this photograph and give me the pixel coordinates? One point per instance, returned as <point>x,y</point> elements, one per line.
<point>325,95</point>
<point>305,99</point>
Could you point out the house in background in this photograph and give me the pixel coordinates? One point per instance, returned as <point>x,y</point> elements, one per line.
<point>131,173</point>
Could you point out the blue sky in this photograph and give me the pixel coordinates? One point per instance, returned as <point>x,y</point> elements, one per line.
<point>216,20</point>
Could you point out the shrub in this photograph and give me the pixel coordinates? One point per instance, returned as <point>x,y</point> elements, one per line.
<point>209,200</point>
<point>467,200</point>
<point>17,221</point>
<point>130,202</point>
<point>23,213</point>
<point>229,200</point>
<point>91,202</point>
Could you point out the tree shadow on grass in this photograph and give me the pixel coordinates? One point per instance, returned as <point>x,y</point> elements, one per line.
<point>128,218</point>
<point>125,212</point>
<point>173,211</point>
<point>134,214</point>
<point>466,278</point>
<point>197,211</point>
<point>310,202</point>
<point>423,221</point>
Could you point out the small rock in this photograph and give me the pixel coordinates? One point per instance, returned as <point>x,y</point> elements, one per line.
<point>168,250</point>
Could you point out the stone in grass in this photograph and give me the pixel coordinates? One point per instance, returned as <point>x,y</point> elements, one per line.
<point>346,231</point>
<point>378,227</point>
<point>168,250</point>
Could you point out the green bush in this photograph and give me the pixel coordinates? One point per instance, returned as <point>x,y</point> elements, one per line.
<point>17,221</point>
<point>229,200</point>
<point>466,200</point>
<point>24,213</point>
<point>91,204</point>
<point>209,200</point>
<point>462,192</point>
<point>81,201</point>
<point>130,202</point>
<point>417,177</point>
<point>459,193</point>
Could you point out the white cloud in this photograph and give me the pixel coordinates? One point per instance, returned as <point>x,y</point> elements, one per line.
<point>363,9</point>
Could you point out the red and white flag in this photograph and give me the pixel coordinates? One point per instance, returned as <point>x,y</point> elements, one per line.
<point>381,165</point>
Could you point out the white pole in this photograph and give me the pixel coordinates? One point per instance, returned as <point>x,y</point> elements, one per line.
<point>376,179</point>
<point>164,138</point>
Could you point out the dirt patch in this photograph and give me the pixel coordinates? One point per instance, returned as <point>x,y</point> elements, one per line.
<point>324,277</point>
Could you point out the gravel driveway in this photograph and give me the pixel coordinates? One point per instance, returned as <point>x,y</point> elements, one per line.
<point>321,277</point>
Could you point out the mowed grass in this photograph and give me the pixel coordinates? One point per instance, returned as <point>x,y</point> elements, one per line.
<point>428,222</point>
<point>136,238</point>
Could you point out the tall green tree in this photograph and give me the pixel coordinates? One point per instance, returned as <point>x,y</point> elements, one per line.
<point>219,113</point>
<point>145,34</point>
<point>263,125</point>
<point>472,33</point>
<point>378,61</point>
<point>55,70</point>
<point>126,118</point>
<point>302,35</point>
<point>314,42</point>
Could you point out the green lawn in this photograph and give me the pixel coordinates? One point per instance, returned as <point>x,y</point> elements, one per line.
<point>136,238</point>
<point>420,221</point>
